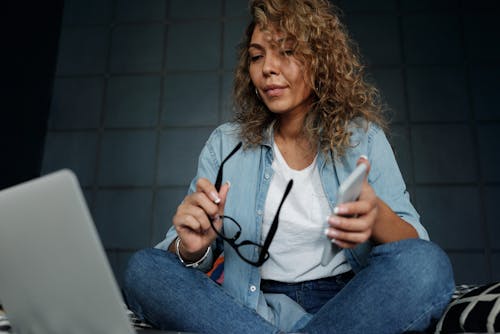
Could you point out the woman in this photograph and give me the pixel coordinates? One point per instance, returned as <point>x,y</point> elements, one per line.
<point>305,119</point>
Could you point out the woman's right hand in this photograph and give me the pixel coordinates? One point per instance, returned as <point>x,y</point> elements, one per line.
<point>192,219</point>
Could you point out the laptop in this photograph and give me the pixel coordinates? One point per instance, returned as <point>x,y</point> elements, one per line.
<point>54,275</point>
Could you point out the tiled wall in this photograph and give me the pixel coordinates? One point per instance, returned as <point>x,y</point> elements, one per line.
<point>141,84</point>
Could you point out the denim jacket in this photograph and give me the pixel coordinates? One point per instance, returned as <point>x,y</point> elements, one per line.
<point>250,173</point>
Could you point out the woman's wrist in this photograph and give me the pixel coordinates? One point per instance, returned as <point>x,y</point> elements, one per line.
<point>190,262</point>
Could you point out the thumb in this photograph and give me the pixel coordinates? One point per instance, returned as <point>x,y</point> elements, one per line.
<point>363,159</point>
<point>224,189</point>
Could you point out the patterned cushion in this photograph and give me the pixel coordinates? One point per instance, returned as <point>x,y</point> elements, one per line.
<point>4,323</point>
<point>476,311</point>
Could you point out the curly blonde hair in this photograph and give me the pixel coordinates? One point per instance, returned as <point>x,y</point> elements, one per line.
<point>336,75</point>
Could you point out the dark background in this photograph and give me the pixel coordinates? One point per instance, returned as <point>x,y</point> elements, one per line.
<point>125,93</point>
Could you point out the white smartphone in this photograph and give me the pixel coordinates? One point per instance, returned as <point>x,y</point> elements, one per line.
<point>349,191</point>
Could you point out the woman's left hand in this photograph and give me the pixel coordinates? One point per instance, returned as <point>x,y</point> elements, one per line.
<point>353,222</point>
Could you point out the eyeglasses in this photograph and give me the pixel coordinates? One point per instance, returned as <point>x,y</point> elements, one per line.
<point>246,248</point>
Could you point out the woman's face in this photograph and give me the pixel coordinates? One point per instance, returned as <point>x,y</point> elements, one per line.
<point>278,76</point>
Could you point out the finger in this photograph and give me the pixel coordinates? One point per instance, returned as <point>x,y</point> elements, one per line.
<point>217,223</point>
<point>189,223</point>
<point>200,200</point>
<point>358,208</point>
<point>197,212</point>
<point>205,186</point>
<point>347,237</point>
<point>353,224</point>
<point>344,244</point>
<point>194,234</point>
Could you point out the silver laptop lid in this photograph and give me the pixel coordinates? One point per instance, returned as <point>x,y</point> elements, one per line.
<point>55,277</point>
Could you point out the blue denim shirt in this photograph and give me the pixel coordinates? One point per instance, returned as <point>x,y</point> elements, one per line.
<point>250,173</point>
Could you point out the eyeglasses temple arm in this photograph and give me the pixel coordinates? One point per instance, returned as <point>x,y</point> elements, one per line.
<point>218,180</point>
<point>274,225</point>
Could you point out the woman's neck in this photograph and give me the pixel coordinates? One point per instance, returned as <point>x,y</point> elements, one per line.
<point>290,127</point>
<point>294,146</point>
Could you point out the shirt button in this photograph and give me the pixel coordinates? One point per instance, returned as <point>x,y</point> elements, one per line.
<point>266,176</point>
<point>259,212</point>
<point>253,288</point>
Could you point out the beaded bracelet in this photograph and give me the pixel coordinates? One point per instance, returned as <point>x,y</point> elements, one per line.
<point>194,264</point>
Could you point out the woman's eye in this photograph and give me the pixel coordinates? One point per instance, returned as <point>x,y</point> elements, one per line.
<point>255,58</point>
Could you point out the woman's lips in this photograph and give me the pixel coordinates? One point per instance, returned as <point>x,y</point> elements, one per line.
<point>274,91</point>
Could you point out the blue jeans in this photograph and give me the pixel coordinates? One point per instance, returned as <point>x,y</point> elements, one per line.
<point>405,286</point>
<point>311,295</point>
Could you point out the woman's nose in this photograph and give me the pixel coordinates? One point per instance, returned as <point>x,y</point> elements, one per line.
<point>271,65</point>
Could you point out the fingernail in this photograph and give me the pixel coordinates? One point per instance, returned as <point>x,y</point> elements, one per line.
<point>228,184</point>
<point>215,197</point>
<point>333,241</point>
<point>335,221</point>
<point>326,231</point>
<point>339,210</point>
<point>363,156</point>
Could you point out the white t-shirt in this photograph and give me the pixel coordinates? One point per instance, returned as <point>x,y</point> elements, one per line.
<point>297,247</point>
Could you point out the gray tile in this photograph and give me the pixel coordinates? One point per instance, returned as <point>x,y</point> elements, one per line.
<point>127,158</point>
<point>76,103</point>
<point>88,194</point>
<point>391,85</point>
<point>121,262</point>
<point>437,41</point>
<point>491,201</point>
<point>437,94</point>
<point>74,150</point>
<point>191,99</point>
<point>166,203</point>
<point>453,208</point>
<point>485,87</point>
<point>112,256</point>
<point>133,11</point>
<point>179,151</point>
<point>481,4</point>
<point>366,5</point>
<point>495,265</point>
<point>469,268</point>
<point>82,50</point>
<point>88,12</point>
<point>442,154</point>
<point>480,30</point>
<point>124,218</point>
<point>489,149</point>
<point>227,97</point>
<point>233,34</point>
<point>137,48</point>
<point>181,9</point>
<point>377,36</point>
<point>132,101</point>
<point>399,138</point>
<point>409,5</point>
<point>237,8</point>
<point>194,46</point>
<point>412,192</point>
